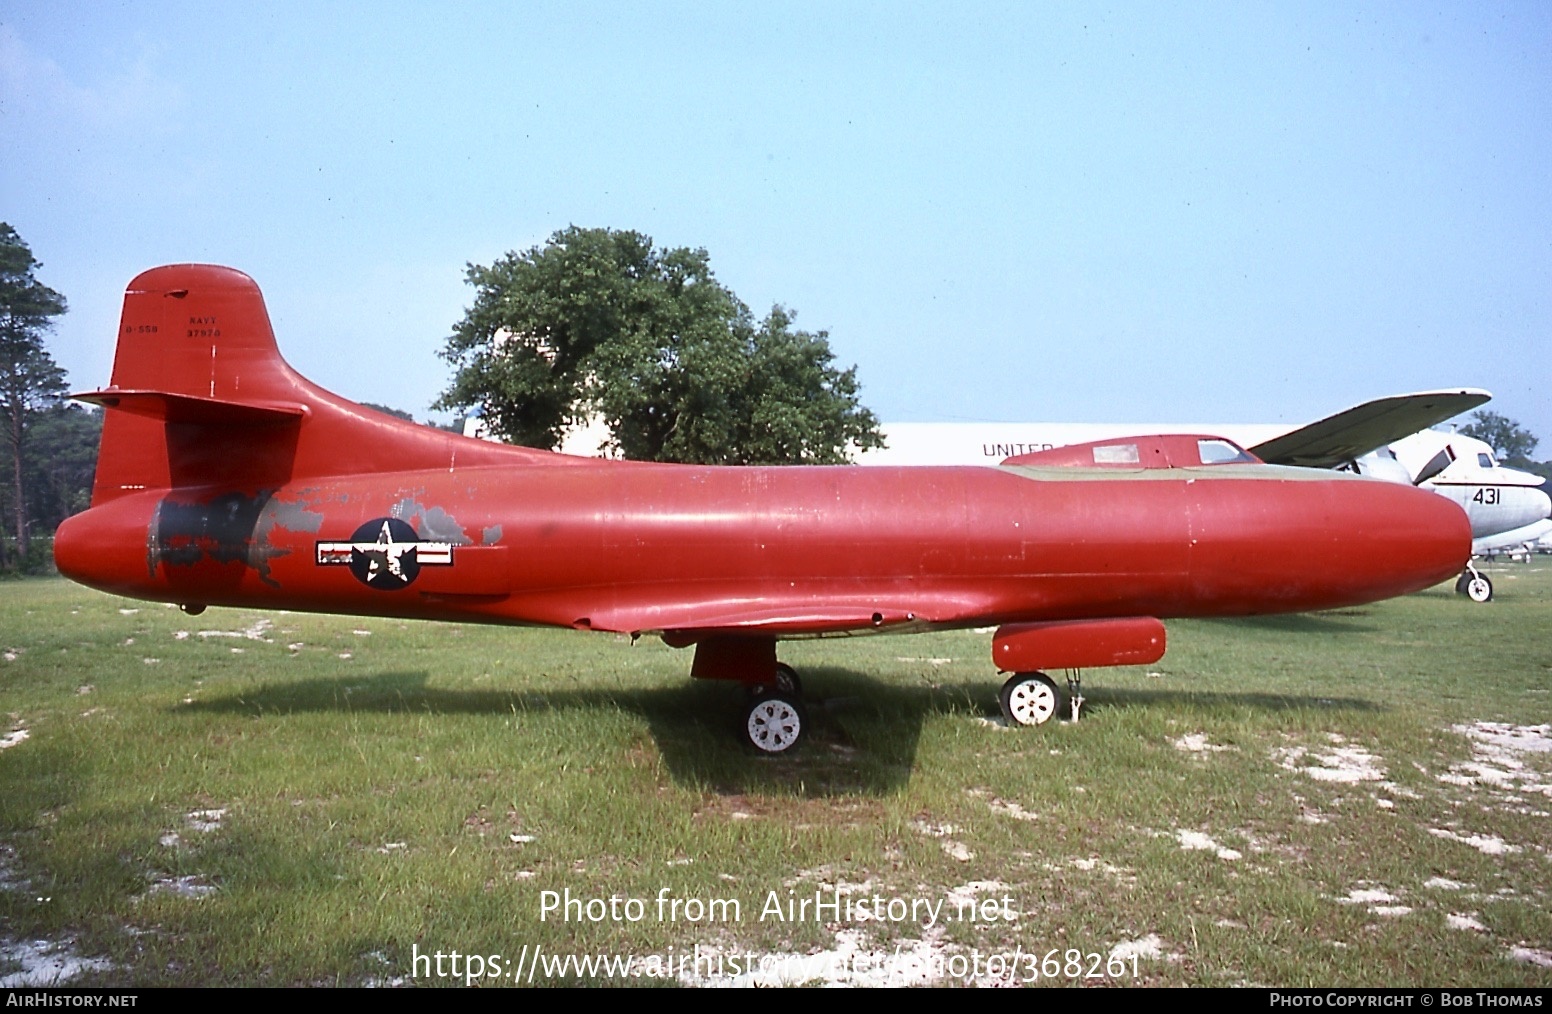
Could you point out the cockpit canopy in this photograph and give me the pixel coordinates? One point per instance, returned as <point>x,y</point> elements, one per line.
<point>1158,451</point>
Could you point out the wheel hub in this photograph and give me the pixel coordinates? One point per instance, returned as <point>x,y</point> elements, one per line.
<point>774,725</point>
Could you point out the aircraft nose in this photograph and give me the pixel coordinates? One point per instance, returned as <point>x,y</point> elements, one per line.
<point>1522,505</point>
<point>1429,538</point>
<point>1323,543</point>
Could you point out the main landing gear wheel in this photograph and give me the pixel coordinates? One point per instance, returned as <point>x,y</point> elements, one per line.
<point>787,680</point>
<point>1029,698</point>
<point>773,723</point>
<point>1479,588</point>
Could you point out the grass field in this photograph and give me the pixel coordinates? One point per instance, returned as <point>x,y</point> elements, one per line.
<point>1361,797</point>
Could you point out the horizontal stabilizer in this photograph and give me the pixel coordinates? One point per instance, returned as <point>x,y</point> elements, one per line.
<point>1338,439</point>
<point>186,408</point>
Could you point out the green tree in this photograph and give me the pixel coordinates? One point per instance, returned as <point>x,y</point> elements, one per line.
<point>397,413</point>
<point>30,381</point>
<point>1510,441</point>
<point>600,321</point>
<point>61,462</point>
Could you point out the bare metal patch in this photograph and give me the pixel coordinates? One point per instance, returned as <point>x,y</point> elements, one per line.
<point>433,523</point>
<point>230,528</point>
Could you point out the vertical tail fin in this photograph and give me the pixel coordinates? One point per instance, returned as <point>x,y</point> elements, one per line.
<point>199,392</point>
<point>200,396</point>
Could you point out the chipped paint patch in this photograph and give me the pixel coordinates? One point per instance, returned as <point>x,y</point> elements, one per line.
<point>430,523</point>
<point>1196,841</point>
<point>13,738</point>
<point>1443,884</point>
<point>226,529</point>
<point>1457,921</point>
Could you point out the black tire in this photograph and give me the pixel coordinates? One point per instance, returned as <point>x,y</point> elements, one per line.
<point>787,680</point>
<point>1479,589</point>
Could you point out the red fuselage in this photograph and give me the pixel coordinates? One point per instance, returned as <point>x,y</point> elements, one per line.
<point>789,551</point>
<point>226,478</point>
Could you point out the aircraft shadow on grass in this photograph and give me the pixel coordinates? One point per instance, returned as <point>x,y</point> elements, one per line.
<point>863,734</point>
<point>1333,622</point>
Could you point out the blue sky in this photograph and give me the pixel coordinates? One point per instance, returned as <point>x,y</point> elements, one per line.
<point>1134,212</point>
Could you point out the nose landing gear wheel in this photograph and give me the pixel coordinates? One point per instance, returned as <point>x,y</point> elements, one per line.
<point>1029,698</point>
<point>773,723</point>
<point>1479,589</point>
<point>1474,585</point>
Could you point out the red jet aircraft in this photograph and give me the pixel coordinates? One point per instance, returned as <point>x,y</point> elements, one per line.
<point>225,478</point>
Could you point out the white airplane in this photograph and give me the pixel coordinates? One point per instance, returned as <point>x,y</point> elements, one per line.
<point>1332,442</point>
<point>1388,438</point>
<point>1502,502</point>
<point>1518,544</point>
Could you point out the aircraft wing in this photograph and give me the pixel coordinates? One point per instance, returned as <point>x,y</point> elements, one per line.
<point>1357,431</point>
